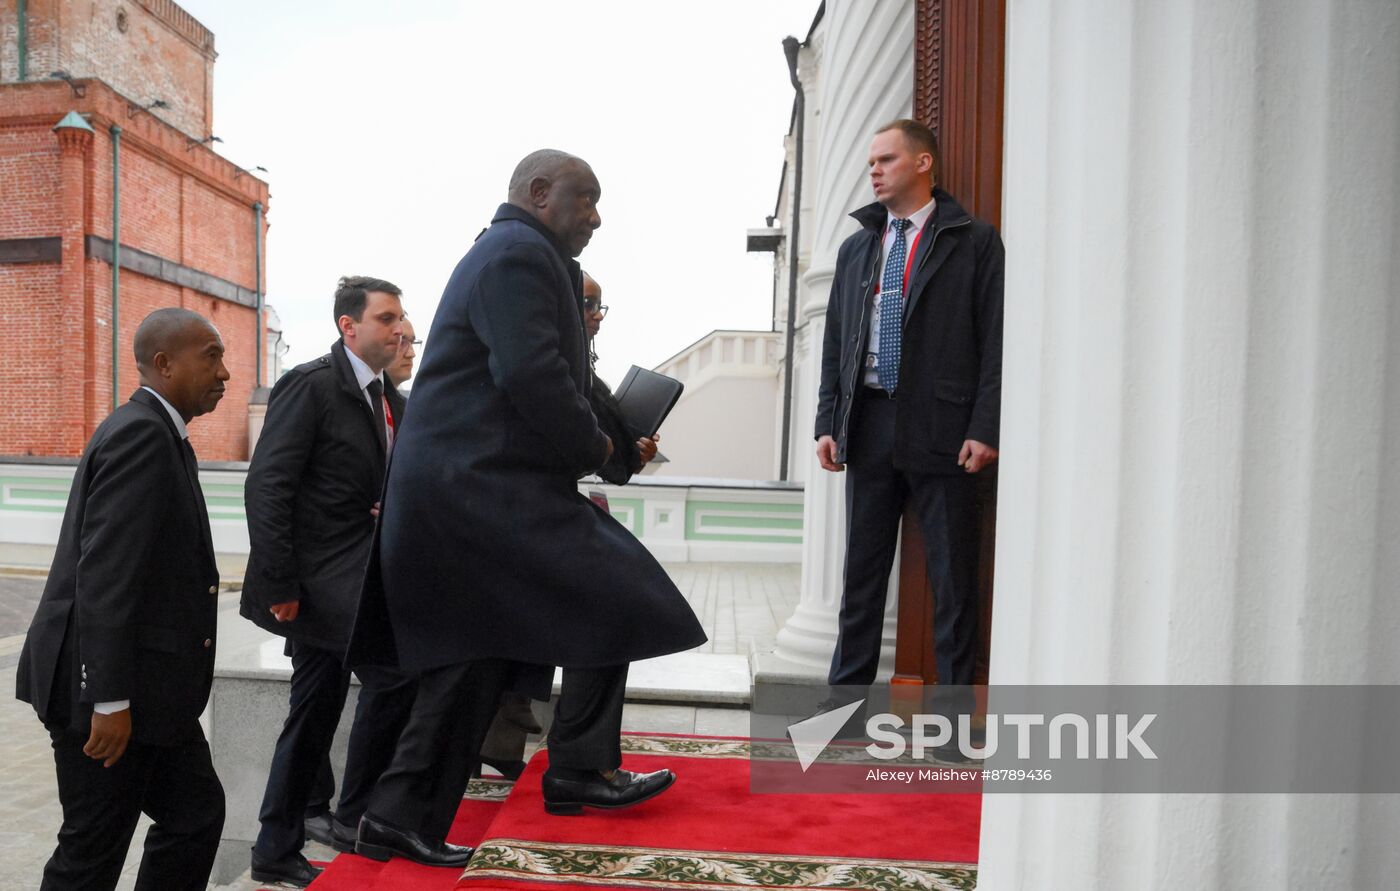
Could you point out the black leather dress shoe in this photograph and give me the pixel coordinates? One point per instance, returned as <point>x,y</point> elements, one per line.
<point>292,870</point>
<point>380,841</point>
<point>567,798</point>
<point>318,828</point>
<point>343,837</point>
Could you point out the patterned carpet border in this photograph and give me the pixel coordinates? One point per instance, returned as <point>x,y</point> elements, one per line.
<point>488,789</point>
<point>750,750</point>
<point>521,860</point>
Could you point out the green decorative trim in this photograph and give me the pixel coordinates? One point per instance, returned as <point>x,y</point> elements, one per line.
<point>224,500</point>
<point>45,494</point>
<point>749,507</point>
<point>53,492</point>
<point>754,522</point>
<point>634,867</point>
<point>636,506</point>
<point>739,515</point>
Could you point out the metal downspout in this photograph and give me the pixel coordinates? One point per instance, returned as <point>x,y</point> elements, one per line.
<point>260,335</point>
<point>116,259</point>
<point>790,48</point>
<point>23,39</point>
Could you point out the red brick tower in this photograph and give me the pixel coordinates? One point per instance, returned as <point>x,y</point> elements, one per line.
<point>105,109</point>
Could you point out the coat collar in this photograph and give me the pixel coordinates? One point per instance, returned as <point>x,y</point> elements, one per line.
<point>148,399</point>
<point>510,211</point>
<point>344,373</point>
<point>946,212</point>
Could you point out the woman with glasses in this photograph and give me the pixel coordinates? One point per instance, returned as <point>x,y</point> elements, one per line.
<point>630,454</point>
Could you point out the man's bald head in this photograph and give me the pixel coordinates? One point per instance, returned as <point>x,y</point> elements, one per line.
<point>166,331</point>
<point>559,190</point>
<point>181,356</point>
<point>547,164</point>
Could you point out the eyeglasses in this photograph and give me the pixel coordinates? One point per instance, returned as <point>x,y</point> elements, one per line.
<point>591,307</point>
<point>405,341</point>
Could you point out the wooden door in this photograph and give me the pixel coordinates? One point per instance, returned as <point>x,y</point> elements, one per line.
<point>959,56</point>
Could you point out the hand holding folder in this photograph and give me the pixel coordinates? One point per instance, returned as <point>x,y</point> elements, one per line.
<point>646,398</point>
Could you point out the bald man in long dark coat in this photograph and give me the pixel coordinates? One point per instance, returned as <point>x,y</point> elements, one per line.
<point>490,560</point>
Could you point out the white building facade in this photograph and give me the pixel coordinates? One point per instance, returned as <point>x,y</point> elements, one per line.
<point>1200,471</point>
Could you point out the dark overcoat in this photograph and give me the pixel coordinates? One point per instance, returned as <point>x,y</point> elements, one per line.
<point>316,474</point>
<point>486,547</point>
<point>950,358</point>
<point>131,601</point>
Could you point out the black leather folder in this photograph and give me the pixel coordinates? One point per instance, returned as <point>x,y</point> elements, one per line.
<point>646,398</point>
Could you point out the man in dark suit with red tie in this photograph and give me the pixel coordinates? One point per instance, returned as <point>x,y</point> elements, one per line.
<point>910,400</point>
<point>119,657</point>
<point>312,492</point>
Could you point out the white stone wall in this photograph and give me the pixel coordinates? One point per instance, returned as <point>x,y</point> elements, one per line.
<point>858,74</point>
<point>722,426</point>
<point>1200,476</point>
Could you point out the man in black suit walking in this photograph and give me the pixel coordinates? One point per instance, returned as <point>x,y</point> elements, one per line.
<point>119,657</point>
<point>312,494</point>
<point>910,400</point>
<point>490,562</point>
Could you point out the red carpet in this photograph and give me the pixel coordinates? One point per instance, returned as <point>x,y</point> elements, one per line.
<point>708,832</point>
<point>349,872</point>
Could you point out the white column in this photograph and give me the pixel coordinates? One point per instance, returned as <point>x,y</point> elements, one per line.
<point>1200,476</point>
<point>864,62</point>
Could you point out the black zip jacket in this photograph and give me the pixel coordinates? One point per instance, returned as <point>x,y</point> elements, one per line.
<point>950,360</point>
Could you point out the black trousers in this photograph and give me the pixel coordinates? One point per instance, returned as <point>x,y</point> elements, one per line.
<point>386,700</point>
<point>174,785</point>
<point>876,493</point>
<point>455,706</point>
<point>588,719</point>
<point>427,776</point>
<point>300,762</point>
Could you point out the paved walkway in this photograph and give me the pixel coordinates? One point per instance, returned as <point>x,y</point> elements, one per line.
<point>739,605</point>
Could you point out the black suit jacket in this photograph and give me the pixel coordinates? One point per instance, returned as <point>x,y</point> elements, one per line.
<point>487,549</point>
<point>130,605</point>
<point>950,362</point>
<point>317,471</point>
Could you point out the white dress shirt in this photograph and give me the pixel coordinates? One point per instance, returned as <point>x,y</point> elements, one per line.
<point>364,377</point>
<point>917,219</point>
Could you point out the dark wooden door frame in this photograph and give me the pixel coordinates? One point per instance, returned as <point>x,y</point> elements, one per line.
<point>959,63</point>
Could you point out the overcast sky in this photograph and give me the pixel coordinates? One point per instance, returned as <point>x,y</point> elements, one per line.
<point>389,131</point>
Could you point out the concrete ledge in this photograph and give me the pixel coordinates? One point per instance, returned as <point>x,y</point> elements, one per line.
<point>245,716</point>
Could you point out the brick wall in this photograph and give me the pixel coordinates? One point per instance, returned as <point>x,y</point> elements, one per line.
<point>188,206</point>
<point>162,53</point>
<point>28,183</point>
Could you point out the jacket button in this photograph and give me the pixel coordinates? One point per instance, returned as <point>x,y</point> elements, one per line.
<point>82,685</point>
<point>213,589</point>
<point>208,643</point>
